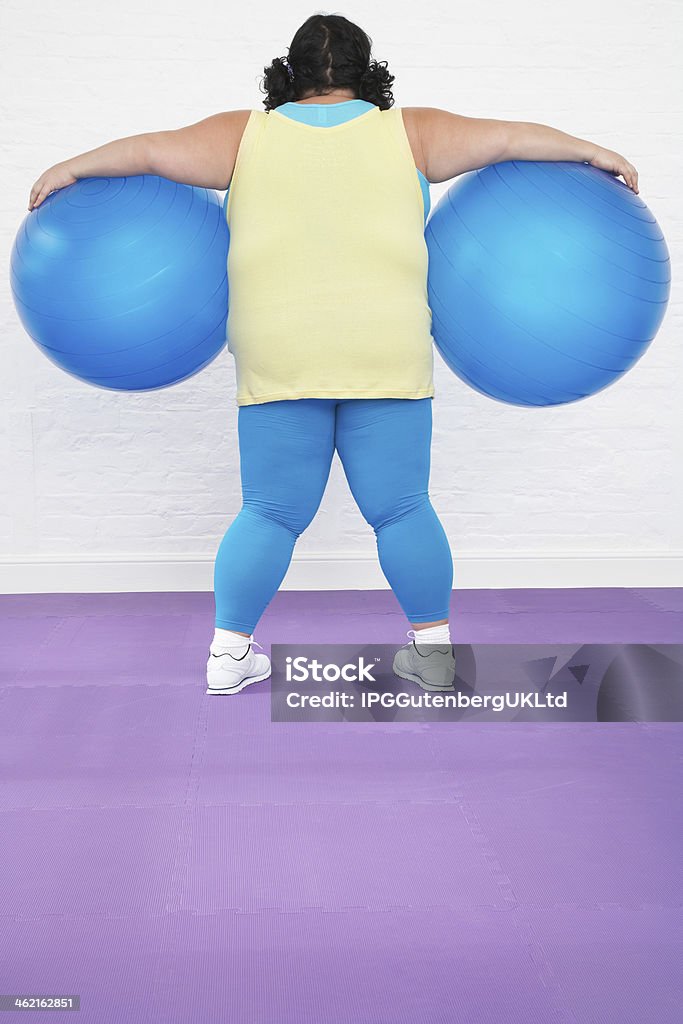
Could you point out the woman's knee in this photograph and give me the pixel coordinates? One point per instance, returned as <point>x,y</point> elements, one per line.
<point>294,518</point>
<point>380,514</point>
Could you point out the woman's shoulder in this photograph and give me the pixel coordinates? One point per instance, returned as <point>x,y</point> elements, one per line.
<point>412,122</point>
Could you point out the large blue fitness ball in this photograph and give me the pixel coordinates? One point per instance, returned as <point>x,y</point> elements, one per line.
<point>122,282</point>
<point>547,281</point>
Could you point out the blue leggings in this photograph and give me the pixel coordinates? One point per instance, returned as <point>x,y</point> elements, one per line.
<point>286,450</point>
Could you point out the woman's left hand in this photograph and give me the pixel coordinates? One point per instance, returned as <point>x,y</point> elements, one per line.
<point>607,160</point>
<point>53,178</point>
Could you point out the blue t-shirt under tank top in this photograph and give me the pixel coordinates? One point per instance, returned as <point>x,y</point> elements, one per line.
<point>328,114</point>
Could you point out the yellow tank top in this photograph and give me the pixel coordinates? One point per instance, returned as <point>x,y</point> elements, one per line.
<point>327,264</point>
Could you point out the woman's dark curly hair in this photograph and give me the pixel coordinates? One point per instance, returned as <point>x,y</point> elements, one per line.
<point>328,52</point>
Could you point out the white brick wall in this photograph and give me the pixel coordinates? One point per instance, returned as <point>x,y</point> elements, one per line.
<point>117,491</point>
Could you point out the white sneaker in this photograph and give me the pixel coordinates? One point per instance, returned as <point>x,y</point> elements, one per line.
<point>226,673</point>
<point>431,666</point>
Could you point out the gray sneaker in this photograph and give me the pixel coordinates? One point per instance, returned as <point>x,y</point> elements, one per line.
<point>431,666</point>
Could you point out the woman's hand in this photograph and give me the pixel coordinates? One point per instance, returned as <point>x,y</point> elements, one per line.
<point>53,178</point>
<point>607,160</point>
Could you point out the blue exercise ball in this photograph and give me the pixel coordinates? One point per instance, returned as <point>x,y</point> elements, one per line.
<point>547,280</point>
<point>122,282</point>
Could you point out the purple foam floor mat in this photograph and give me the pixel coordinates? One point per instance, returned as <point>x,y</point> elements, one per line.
<point>172,857</point>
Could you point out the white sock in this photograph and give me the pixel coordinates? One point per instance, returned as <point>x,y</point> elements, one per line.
<point>439,635</point>
<point>226,639</point>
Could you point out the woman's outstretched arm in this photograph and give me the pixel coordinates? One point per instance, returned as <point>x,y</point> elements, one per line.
<point>453,144</point>
<point>201,154</point>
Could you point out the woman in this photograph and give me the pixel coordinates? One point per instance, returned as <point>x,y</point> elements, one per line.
<point>329,322</point>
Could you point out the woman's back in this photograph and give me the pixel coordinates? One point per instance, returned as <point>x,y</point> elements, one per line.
<point>327,114</point>
<point>327,267</point>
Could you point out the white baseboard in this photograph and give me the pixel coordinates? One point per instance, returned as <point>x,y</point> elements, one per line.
<point>334,570</point>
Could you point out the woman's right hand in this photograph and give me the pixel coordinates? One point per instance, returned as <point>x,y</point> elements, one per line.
<point>58,176</point>
<point>608,160</point>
